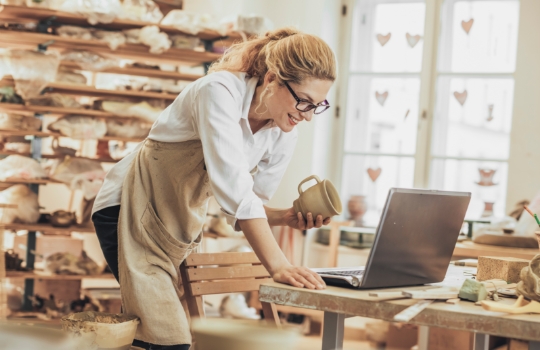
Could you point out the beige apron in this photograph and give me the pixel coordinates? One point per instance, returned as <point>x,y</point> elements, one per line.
<point>164,201</point>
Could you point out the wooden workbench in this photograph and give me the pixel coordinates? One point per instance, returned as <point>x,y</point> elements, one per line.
<point>338,303</point>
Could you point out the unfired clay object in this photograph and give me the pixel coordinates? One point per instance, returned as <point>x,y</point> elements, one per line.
<point>320,199</point>
<point>529,286</point>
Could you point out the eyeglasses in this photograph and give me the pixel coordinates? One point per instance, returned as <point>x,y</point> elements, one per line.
<point>306,106</point>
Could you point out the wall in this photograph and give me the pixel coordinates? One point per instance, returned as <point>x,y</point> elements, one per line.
<point>524,162</point>
<point>318,17</point>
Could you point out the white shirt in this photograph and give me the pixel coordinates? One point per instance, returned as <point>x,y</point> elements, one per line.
<point>244,168</point>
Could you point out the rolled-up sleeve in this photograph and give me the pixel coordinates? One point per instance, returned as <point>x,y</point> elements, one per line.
<point>217,112</point>
<point>272,168</point>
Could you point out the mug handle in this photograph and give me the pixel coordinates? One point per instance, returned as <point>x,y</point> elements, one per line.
<point>312,177</point>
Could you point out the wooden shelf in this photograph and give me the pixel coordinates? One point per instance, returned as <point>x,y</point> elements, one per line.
<point>86,90</point>
<point>39,14</point>
<point>46,276</point>
<point>30,181</point>
<point>51,134</point>
<point>47,228</point>
<point>143,72</point>
<point>58,111</point>
<point>58,156</point>
<point>136,52</point>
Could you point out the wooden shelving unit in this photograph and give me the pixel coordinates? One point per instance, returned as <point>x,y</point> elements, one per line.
<point>134,52</point>
<point>19,12</point>
<point>60,156</point>
<point>29,181</point>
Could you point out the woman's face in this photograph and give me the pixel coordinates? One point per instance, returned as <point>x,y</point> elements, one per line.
<point>282,105</point>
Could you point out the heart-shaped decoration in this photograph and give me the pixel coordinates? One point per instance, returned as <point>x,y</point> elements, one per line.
<point>374,173</point>
<point>490,113</point>
<point>412,39</point>
<point>486,177</point>
<point>467,25</point>
<point>461,97</point>
<point>381,98</point>
<point>383,39</point>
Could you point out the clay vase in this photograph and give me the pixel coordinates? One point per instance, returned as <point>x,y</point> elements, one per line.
<point>357,207</point>
<point>320,199</point>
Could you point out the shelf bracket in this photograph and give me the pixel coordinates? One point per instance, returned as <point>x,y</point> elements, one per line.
<point>45,24</point>
<point>44,46</point>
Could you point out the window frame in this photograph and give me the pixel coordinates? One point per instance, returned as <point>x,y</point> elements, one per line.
<point>429,76</point>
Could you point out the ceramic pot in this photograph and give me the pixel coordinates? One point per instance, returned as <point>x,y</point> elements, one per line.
<point>357,207</point>
<point>320,199</point>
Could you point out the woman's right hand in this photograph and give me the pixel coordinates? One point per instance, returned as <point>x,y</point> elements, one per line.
<point>300,277</point>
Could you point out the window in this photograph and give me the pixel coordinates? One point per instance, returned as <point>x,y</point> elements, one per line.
<point>391,93</point>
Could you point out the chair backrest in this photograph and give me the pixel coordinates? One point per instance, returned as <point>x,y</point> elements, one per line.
<point>216,273</point>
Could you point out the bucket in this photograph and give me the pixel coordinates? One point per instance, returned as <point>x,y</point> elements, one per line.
<point>100,330</point>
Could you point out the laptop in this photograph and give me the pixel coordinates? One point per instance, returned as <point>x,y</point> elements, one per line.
<point>413,243</point>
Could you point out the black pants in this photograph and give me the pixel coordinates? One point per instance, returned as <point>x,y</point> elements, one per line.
<point>106,224</point>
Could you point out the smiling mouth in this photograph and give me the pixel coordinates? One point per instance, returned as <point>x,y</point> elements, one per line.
<point>293,120</point>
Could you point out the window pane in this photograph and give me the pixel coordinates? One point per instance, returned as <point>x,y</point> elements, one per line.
<point>388,37</point>
<point>490,45</point>
<point>382,115</point>
<point>488,186</point>
<point>394,172</point>
<point>480,128</point>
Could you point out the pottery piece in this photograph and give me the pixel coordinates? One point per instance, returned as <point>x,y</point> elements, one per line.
<point>357,207</point>
<point>529,286</point>
<point>383,39</point>
<point>320,199</point>
<point>412,39</point>
<point>62,218</point>
<point>461,97</point>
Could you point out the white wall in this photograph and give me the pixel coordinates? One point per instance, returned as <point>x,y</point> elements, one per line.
<point>318,17</point>
<point>524,162</point>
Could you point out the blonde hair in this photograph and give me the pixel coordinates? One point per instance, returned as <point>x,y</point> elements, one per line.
<point>289,53</point>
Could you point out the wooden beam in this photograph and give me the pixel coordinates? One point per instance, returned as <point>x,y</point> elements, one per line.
<point>47,228</point>
<point>52,134</point>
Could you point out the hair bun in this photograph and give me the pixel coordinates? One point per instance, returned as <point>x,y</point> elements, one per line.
<point>281,33</point>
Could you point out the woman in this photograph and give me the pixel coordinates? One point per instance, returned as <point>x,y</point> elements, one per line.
<point>230,134</point>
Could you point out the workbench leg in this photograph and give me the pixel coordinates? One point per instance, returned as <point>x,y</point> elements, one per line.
<point>334,326</point>
<point>423,337</point>
<point>481,341</point>
<point>534,345</point>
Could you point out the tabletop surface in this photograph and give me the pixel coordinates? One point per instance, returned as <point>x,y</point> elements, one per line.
<point>462,316</point>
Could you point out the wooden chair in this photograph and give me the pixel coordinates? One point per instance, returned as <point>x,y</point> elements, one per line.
<point>335,234</point>
<point>216,273</point>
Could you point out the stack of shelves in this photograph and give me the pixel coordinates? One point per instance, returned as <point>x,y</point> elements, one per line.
<point>135,52</point>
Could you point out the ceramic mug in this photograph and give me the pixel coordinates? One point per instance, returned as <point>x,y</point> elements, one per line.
<point>320,199</point>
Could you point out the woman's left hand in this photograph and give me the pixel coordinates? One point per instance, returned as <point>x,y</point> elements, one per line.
<point>296,220</point>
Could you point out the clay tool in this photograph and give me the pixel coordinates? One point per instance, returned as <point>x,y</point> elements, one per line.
<point>521,306</point>
<point>413,310</point>
<point>387,295</point>
<point>469,263</point>
<point>532,214</point>
<point>437,293</point>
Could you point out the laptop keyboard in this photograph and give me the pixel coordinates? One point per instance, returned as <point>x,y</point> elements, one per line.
<point>345,273</point>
